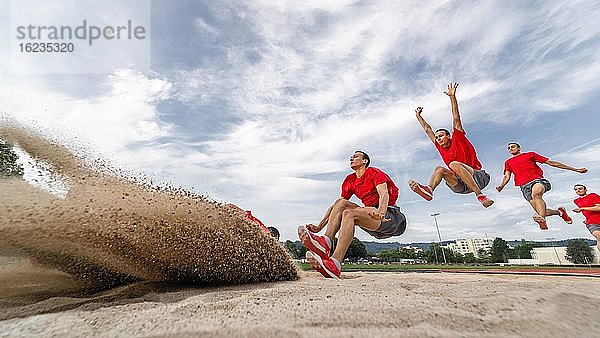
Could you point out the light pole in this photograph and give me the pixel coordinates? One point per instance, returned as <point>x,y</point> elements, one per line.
<point>435,252</point>
<point>435,215</point>
<point>551,239</point>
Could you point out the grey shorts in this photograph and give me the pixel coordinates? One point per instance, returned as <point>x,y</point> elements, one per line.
<point>394,227</point>
<point>593,227</point>
<point>527,188</point>
<point>481,178</point>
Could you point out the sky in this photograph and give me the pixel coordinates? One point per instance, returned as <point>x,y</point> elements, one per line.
<point>261,103</point>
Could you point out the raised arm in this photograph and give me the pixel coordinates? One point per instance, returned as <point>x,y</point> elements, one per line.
<point>424,124</point>
<point>456,122</point>
<point>505,180</point>
<point>560,165</point>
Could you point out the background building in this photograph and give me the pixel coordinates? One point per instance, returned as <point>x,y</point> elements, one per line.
<point>551,255</point>
<point>471,245</point>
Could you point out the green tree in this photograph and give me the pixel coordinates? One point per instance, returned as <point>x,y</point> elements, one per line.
<point>291,248</point>
<point>434,254</point>
<point>356,250</point>
<point>499,250</point>
<point>484,256</point>
<point>454,257</point>
<point>470,258</point>
<point>8,161</point>
<point>579,252</point>
<point>395,255</point>
<point>521,251</point>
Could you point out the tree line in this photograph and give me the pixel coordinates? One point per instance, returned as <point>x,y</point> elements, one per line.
<point>578,252</point>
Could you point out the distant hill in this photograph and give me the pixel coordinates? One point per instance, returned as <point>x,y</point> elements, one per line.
<point>562,242</point>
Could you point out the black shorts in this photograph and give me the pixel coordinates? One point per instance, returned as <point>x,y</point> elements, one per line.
<point>481,178</point>
<point>593,227</point>
<point>527,188</point>
<point>394,227</point>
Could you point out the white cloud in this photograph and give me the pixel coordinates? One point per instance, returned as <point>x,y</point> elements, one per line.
<point>328,78</point>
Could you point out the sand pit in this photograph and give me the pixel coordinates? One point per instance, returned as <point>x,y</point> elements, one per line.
<point>362,304</point>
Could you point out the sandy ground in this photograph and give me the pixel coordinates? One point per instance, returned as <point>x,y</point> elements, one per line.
<point>361,304</point>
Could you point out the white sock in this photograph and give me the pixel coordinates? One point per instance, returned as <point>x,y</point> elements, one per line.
<point>328,241</point>
<point>339,266</point>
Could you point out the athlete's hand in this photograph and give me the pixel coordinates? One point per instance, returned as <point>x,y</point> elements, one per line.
<point>376,215</point>
<point>499,188</point>
<point>313,228</point>
<point>418,111</point>
<point>451,89</point>
<point>577,210</point>
<point>581,170</point>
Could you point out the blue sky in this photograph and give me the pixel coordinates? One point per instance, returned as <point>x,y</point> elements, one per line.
<point>261,103</point>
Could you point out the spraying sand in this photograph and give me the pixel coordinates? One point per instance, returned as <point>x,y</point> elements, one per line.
<point>109,231</point>
<point>116,258</point>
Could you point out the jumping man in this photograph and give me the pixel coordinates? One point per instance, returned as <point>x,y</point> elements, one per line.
<point>589,206</point>
<point>530,178</point>
<point>379,217</point>
<point>465,174</point>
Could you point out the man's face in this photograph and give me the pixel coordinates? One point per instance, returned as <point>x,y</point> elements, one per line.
<point>442,138</point>
<point>514,149</point>
<point>356,161</point>
<point>580,191</point>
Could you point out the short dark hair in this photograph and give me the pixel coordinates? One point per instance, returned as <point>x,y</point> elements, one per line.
<point>515,143</point>
<point>580,185</point>
<point>274,232</point>
<point>365,156</point>
<point>444,130</point>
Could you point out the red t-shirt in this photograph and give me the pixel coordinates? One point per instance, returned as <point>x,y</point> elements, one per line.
<point>365,187</point>
<point>460,150</point>
<point>589,200</point>
<point>257,221</point>
<point>525,167</point>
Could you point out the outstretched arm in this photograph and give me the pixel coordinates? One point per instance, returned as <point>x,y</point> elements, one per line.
<point>424,124</point>
<point>456,122</point>
<point>559,165</point>
<point>505,180</point>
<point>594,208</point>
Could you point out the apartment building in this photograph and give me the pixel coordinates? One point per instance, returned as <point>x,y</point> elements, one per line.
<point>471,245</point>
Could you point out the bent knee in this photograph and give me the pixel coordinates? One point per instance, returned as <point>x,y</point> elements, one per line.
<point>349,213</point>
<point>455,165</point>
<point>340,200</point>
<point>537,194</point>
<point>341,203</point>
<point>440,169</point>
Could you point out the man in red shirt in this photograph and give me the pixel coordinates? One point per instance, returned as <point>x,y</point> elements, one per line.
<point>465,174</point>
<point>589,206</point>
<point>530,178</point>
<point>380,217</point>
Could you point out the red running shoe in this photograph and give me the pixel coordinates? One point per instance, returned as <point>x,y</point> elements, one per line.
<point>326,266</point>
<point>486,202</point>
<point>563,214</point>
<point>541,221</point>
<point>315,243</point>
<point>422,190</point>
